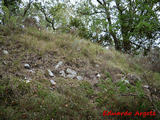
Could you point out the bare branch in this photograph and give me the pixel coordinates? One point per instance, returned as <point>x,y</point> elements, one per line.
<point>42,9</point>
<point>27,8</point>
<point>99,2</point>
<point>93,13</point>
<point>104,2</point>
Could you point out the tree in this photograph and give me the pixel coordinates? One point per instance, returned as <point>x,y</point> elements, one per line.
<point>131,24</point>
<point>28,6</point>
<point>55,13</point>
<point>12,5</point>
<point>138,24</point>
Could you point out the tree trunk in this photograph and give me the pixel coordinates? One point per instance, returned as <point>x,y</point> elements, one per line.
<point>116,41</point>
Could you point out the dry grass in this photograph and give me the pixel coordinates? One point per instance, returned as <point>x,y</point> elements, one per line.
<point>70,98</point>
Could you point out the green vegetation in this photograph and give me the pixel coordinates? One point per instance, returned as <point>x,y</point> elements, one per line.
<point>37,36</point>
<point>70,98</point>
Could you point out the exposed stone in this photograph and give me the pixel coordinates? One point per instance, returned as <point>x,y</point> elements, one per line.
<point>27,80</point>
<point>71,76</point>
<point>27,66</point>
<point>97,65</point>
<point>4,63</point>
<point>62,73</point>
<point>72,72</point>
<point>58,65</point>
<point>79,77</point>
<point>107,47</point>
<point>98,75</point>
<point>52,88</point>
<point>5,52</point>
<point>31,71</point>
<point>22,26</point>
<point>50,73</point>
<point>146,86</point>
<point>53,82</point>
<point>126,81</point>
<point>133,78</point>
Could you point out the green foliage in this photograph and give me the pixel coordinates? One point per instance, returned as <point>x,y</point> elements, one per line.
<point>135,25</point>
<point>70,98</point>
<point>12,5</point>
<point>88,89</point>
<point>122,97</point>
<point>11,21</point>
<point>76,22</point>
<point>59,13</point>
<point>6,15</point>
<point>82,30</point>
<point>20,100</point>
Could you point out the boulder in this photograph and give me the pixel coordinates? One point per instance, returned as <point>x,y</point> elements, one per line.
<point>31,71</point>
<point>79,77</point>
<point>72,72</point>
<point>126,81</point>
<point>71,76</point>
<point>4,63</point>
<point>98,75</point>
<point>5,52</point>
<point>53,82</point>
<point>27,80</point>
<point>27,66</point>
<point>97,65</point>
<point>62,73</point>
<point>58,65</point>
<point>50,73</point>
<point>146,86</point>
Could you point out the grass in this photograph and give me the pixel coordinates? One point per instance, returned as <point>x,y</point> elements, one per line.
<point>70,98</point>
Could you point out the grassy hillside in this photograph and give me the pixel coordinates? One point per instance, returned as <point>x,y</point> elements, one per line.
<point>110,80</point>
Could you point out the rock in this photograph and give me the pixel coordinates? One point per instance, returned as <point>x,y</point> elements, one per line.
<point>98,75</point>
<point>62,73</point>
<point>31,71</point>
<point>70,71</point>
<point>58,65</point>
<point>22,26</point>
<point>146,86</point>
<point>107,47</point>
<point>50,73</point>
<point>133,78</point>
<point>27,80</point>
<point>71,76</point>
<point>51,88</point>
<point>126,81</point>
<point>4,63</point>
<point>53,82</point>
<point>97,65</point>
<point>5,52</point>
<point>27,66</point>
<point>79,77</point>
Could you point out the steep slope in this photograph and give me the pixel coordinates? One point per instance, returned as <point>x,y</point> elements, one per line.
<point>46,75</point>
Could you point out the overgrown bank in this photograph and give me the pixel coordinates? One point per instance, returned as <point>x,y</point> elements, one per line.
<point>111,80</point>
